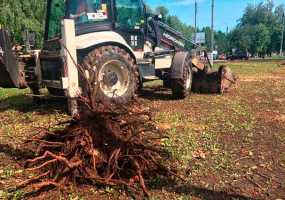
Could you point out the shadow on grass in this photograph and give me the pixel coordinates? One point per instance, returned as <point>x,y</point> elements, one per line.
<point>16,153</point>
<point>186,189</point>
<point>164,94</point>
<point>156,93</point>
<point>180,189</point>
<point>207,194</point>
<point>25,104</point>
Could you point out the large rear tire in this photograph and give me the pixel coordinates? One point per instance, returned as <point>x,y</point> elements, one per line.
<point>115,71</point>
<point>181,88</point>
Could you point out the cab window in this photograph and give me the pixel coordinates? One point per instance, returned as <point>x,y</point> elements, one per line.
<point>129,13</point>
<point>56,13</point>
<point>88,11</point>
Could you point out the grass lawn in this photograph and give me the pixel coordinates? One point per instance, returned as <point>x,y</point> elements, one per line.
<point>227,147</point>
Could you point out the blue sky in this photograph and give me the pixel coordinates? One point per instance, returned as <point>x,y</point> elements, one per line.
<point>227,12</point>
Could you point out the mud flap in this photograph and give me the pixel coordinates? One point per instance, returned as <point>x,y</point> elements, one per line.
<point>9,68</point>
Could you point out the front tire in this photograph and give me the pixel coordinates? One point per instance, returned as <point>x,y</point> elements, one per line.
<point>115,71</point>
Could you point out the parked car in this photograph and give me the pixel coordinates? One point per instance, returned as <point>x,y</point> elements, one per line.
<point>222,57</point>
<point>238,55</point>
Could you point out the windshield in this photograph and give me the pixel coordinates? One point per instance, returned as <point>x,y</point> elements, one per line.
<point>88,11</point>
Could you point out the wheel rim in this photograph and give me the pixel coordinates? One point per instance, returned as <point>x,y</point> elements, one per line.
<point>188,78</point>
<point>114,78</point>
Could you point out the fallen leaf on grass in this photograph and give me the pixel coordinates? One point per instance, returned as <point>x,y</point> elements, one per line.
<point>199,154</point>
<point>280,118</point>
<point>164,126</point>
<point>250,153</point>
<point>279,100</point>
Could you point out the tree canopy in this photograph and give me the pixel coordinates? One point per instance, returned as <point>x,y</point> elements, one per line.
<point>23,15</point>
<point>259,29</point>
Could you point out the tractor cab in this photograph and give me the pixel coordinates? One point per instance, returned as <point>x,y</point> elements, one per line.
<point>126,17</point>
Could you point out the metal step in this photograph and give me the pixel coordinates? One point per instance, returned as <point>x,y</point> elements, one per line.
<point>150,78</point>
<point>53,83</point>
<point>49,96</point>
<point>158,54</point>
<point>143,62</point>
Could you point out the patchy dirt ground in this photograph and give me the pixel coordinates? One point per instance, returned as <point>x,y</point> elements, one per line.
<point>228,147</point>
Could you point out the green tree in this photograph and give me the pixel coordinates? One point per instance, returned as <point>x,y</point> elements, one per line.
<point>259,29</point>
<point>221,42</point>
<point>163,11</point>
<point>175,23</point>
<point>262,38</point>
<point>18,16</point>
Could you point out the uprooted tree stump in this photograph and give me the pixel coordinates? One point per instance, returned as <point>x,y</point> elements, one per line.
<point>112,146</point>
<point>106,144</point>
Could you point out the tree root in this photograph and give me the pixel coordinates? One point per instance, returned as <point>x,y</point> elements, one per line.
<point>112,146</point>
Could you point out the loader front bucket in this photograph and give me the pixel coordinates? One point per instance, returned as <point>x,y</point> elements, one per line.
<point>9,68</point>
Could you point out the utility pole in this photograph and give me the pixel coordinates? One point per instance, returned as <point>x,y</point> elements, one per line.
<point>212,26</point>
<point>196,9</point>
<point>282,34</point>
